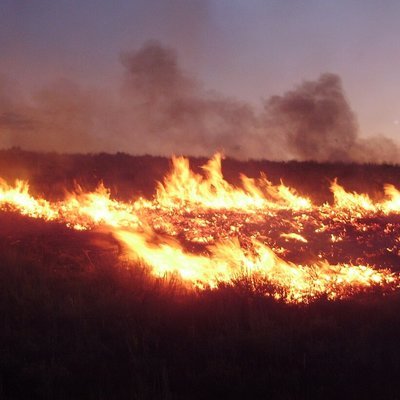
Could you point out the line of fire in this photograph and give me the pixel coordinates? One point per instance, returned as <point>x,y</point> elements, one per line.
<point>207,232</point>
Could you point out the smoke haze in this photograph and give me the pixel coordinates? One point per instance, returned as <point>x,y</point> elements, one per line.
<point>162,110</point>
<point>318,124</point>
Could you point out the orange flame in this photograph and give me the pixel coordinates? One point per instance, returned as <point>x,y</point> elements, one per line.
<point>225,258</point>
<point>361,202</point>
<point>227,261</point>
<point>351,201</point>
<point>182,187</point>
<point>18,198</point>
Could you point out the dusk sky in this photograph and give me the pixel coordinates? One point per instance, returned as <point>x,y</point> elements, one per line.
<point>248,50</point>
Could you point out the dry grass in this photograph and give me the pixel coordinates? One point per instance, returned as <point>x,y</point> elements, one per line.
<point>79,323</point>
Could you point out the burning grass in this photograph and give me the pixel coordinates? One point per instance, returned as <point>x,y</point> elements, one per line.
<point>207,231</point>
<point>78,322</point>
<point>84,317</point>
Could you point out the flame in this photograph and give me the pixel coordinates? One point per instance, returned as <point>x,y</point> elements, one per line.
<point>208,231</point>
<point>86,209</point>
<point>79,210</point>
<point>226,261</point>
<point>392,202</point>
<point>361,202</point>
<point>350,200</point>
<point>19,199</point>
<point>182,187</point>
<point>294,236</point>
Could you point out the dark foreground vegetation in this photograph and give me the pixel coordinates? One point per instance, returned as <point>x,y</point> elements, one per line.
<point>76,323</point>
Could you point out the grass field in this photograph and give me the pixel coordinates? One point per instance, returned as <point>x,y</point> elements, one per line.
<point>77,321</point>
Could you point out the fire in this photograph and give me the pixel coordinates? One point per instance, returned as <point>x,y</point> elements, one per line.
<point>19,199</point>
<point>363,203</point>
<point>82,210</point>
<point>208,231</point>
<point>227,261</point>
<point>182,187</point>
<point>294,236</point>
<point>79,210</point>
<point>351,201</point>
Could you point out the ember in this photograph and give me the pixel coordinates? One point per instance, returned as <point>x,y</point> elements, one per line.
<point>207,231</point>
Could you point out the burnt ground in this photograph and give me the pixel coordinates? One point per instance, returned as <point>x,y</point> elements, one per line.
<point>77,322</point>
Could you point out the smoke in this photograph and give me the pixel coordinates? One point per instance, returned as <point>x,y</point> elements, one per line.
<point>316,119</point>
<point>175,113</point>
<point>60,117</point>
<point>160,109</point>
<point>318,124</point>
<point>13,117</point>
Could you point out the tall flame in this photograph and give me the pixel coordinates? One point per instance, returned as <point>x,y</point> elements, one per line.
<point>206,211</point>
<point>182,187</point>
<point>19,199</point>
<point>361,202</point>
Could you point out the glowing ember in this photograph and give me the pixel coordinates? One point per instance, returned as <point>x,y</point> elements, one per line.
<point>207,231</point>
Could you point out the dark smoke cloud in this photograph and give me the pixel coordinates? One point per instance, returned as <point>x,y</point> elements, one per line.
<point>318,124</point>
<point>160,109</point>
<point>316,119</point>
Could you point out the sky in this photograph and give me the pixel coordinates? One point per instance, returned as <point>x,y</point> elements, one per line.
<point>247,50</point>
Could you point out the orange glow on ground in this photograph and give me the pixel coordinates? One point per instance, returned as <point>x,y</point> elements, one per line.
<point>206,231</point>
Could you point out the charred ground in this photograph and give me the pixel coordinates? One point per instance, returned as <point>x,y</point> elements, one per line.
<point>77,322</point>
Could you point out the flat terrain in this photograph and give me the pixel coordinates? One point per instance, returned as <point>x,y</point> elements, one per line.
<point>79,321</point>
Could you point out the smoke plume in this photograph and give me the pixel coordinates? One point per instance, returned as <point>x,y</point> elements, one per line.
<point>318,124</point>
<point>160,109</point>
<point>175,113</point>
